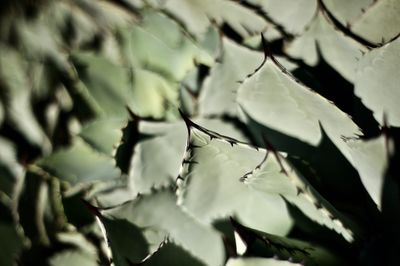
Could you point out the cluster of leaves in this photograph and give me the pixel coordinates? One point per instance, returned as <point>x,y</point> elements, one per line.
<point>285,150</point>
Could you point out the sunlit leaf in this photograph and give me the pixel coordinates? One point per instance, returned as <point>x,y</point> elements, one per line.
<point>377,82</point>
<point>197,15</point>
<point>293,16</point>
<point>337,49</point>
<point>369,158</point>
<point>259,262</point>
<point>80,163</point>
<point>216,165</point>
<point>269,95</point>
<point>199,240</point>
<point>379,23</point>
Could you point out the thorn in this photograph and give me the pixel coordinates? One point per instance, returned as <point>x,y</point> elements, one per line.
<point>189,162</point>
<point>266,49</point>
<point>299,190</point>
<point>318,205</point>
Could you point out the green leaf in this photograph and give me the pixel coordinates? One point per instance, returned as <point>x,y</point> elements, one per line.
<point>379,23</point>
<point>157,159</point>
<point>13,73</point>
<point>214,168</point>
<point>103,134</point>
<point>72,258</point>
<point>340,51</point>
<point>158,43</point>
<point>198,15</point>
<point>214,163</point>
<point>108,84</point>
<point>125,240</point>
<point>369,158</point>
<point>293,16</point>
<point>198,239</point>
<point>170,254</point>
<point>79,163</point>
<point>153,95</point>
<point>273,98</point>
<point>298,251</point>
<point>259,262</point>
<point>377,82</point>
<point>347,11</point>
<point>218,94</point>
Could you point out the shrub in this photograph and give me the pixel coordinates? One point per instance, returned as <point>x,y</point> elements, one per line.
<point>198,132</point>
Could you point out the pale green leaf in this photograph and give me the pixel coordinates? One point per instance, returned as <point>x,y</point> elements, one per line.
<point>171,254</point>
<point>153,95</point>
<point>274,99</point>
<point>293,16</point>
<point>201,241</point>
<point>197,15</point>
<point>259,262</point>
<point>377,82</point>
<point>103,134</point>
<point>75,257</point>
<point>13,73</point>
<point>108,84</point>
<point>347,11</point>
<point>340,51</point>
<point>369,158</point>
<point>157,160</point>
<point>214,168</point>
<point>380,22</point>
<point>218,94</point>
<point>299,251</point>
<point>158,43</point>
<point>216,164</point>
<point>79,163</point>
<point>125,240</point>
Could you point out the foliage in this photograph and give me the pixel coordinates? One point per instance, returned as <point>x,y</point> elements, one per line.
<point>193,132</point>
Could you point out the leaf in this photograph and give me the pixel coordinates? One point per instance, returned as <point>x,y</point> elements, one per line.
<point>213,168</point>
<point>379,23</point>
<point>79,163</point>
<point>284,248</point>
<point>218,94</point>
<point>214,162</point>
<point>369,158</point>
<point>259,262</point>
<point>199,240</point>
<point>273,98</point>
<point>13,73</point>
<point>347,12</point>
<point>293,16</point>
<point>108,84</point>
<point>157,158</point>
<point>158,43</point>
<point>170,254</point>
<point>103,134</point>
<point>198,15</point>
<point>376,82</point>
<point>339,50</point>
<point>153,96</point>
<point>72,258</point>
<point>125,240</point>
